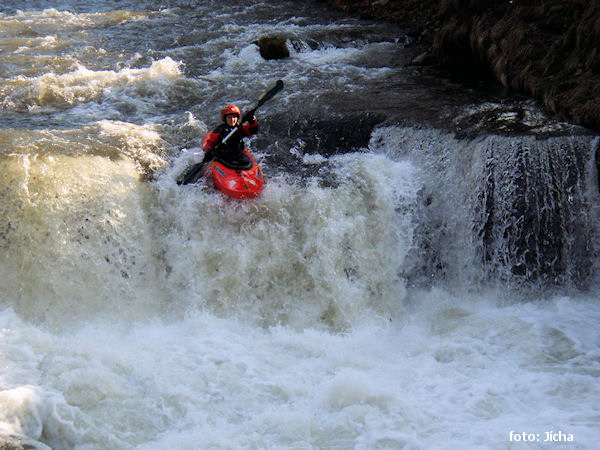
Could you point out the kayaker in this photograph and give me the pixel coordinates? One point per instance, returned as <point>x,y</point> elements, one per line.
<point>232,150</point>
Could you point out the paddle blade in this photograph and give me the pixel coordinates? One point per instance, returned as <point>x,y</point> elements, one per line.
<point>269,94</point>
<point>190,174</point>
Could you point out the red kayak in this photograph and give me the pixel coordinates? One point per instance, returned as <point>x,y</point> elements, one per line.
<point>238,179</point>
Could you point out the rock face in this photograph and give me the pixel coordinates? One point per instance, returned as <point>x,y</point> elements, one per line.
<point>548,49</point>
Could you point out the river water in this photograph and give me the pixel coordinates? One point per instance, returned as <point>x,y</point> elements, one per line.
<point>402,282</point>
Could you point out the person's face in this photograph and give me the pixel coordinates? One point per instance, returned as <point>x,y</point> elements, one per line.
<point>231,119</point>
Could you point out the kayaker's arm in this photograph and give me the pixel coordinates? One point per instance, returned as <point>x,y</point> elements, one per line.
<point>210,140</point>
<point>249,129</point>
<point>210,145</point>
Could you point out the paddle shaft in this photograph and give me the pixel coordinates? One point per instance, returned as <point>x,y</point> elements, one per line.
<point>267,95</point>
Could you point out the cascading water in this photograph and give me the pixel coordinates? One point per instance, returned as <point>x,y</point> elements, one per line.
<point>419,272</point>
<point>522,209</point>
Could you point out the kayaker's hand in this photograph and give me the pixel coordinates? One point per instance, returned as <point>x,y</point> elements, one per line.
<point>208,155</point>
<point>249,117</point>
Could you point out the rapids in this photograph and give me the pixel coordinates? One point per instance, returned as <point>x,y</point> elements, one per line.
<point>421,270</point>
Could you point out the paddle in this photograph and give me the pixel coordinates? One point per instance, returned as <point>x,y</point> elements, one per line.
<point>267,95</point>
<point>192,173</point>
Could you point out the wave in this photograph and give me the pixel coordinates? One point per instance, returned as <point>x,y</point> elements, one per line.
<point>51,91</point>
<point>36,23</point>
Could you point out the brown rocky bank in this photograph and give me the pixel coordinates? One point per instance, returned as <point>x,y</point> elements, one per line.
<point>547,49</point>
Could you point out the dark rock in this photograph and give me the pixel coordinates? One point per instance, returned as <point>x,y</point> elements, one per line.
<point>424,59</point>
<point>273,47</point>
<point>335,135</point>
<point>314,135</point>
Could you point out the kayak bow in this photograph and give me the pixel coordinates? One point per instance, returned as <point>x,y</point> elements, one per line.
<point>235,181</point>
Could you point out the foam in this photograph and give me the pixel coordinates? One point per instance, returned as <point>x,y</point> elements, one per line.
<point>50,91</point>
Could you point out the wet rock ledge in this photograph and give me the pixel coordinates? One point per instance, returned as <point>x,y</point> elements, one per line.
<point>548,49</point>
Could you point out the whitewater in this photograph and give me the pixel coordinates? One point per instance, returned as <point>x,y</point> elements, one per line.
<point>382,293</point>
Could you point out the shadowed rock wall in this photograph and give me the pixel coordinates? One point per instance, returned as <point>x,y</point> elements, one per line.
<point>548,49</point>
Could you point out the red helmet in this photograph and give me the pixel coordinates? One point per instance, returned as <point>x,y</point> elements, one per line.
<point>230,109</point>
